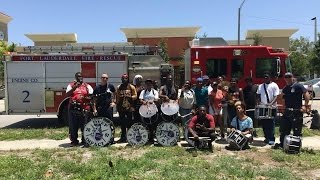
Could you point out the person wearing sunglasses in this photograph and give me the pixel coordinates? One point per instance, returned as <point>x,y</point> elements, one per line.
<point>293,115</point>
<point>104,98</point>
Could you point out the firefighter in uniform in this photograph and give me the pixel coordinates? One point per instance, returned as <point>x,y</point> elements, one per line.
<point>79,107</point>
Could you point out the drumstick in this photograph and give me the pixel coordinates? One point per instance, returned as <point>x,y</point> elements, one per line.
<point>250,110</point>
<point>186,115</point>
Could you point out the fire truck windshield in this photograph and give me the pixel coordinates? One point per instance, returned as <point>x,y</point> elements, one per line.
<point>264,65</point>
<point>288,65</point>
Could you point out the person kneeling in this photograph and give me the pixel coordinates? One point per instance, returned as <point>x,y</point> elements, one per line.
<point>241,130</point>
<point>202,125</point>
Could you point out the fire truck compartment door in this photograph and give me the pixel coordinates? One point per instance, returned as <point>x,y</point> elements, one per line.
<point>60,74</point>
<point>114,69</point>
<point>25,83</point>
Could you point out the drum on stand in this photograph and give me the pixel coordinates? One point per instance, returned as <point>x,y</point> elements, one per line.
<point>99,132</point>
<point>237,139</point>
<point>149,113</point>
<point>169,110</point>
<point>265,112</point>
<point>137,135</point>
<point>167,134</point>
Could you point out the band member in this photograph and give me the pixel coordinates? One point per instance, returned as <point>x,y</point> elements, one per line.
<point>125,95</point>
<point>293,115</point>
<point>206,81</point>
<point>235,94</point>
<point>168,91</point>
<point>186,100</point>
<point>243,123</point>
<point>201,94</point>
<point>267,94</point>
<point>104,98</point>
<point>215,102</point>
<point>249,96</point>
<point>137,82</point>
<point>202,125</point>
<point>79,106</point>
<point>223,84</point>
<point>149,96</point>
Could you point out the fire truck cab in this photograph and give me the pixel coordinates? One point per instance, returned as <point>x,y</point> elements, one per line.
<point>236,62</point>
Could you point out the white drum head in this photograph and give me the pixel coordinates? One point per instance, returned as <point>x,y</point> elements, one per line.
<point>167,134</point>
<point>170,108</point>
<point>137,135</point>
<point>147,111</point>
<point>99,132</point>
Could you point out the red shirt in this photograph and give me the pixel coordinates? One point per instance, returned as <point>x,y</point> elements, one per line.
<point>217,98</point>
<point>208,122</point>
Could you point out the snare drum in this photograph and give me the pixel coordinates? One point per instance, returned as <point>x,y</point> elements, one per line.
<point>167,134</point>
<point>202,143</point>
<point>292,144</point>
<point>137,135</point>
<point>237,139</point>
<point>265,112</point>
<point>99,131</point>
<point>149,113</point>
<point>169,110</point>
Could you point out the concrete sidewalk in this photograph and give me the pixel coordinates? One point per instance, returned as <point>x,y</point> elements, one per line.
<point>307,142</point>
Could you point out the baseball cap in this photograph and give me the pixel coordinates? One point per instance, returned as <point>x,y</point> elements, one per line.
<point>205,77</point>
<point>288,74</point>
<point>199,79</point>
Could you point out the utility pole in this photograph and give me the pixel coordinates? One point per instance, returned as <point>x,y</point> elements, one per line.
<point>315,37</point>
<point>239,11</point>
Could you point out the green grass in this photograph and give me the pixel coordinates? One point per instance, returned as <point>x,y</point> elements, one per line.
<point>149,163</point>
<point>308,159</point>
<point>46,133</point>
<point>306,132</point>
<point>62,133</point>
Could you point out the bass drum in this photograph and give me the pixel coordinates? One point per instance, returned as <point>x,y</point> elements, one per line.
<point>167,134</point>
<point>137,135</point>
<point>149,113</point>
<point>99,132</point>
<point>169,110</point>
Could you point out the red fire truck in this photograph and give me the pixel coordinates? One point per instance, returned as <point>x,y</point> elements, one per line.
<point>237,62</point>
<point>36,79</point>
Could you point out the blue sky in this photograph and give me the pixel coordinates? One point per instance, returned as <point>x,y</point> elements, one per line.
<point>100,21</point>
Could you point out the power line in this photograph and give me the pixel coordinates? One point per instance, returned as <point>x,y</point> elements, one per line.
<point>280,20</point>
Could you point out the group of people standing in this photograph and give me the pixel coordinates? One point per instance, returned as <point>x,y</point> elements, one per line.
<point>212,101</point>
